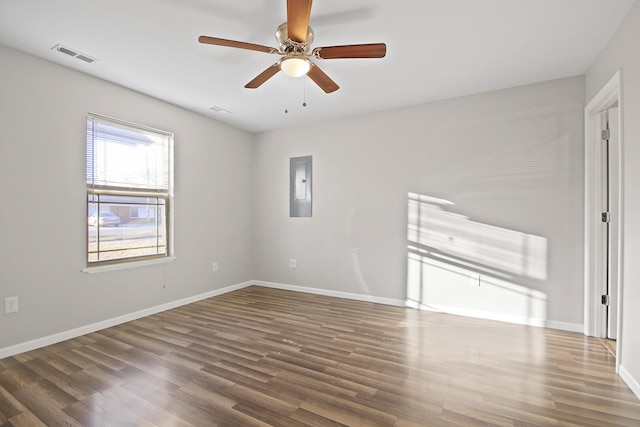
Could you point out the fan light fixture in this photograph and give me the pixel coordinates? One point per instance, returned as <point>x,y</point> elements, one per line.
<point>295,66</point>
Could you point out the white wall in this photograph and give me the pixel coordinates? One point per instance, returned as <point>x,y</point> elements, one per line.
<point>42,202</point>
<point>510,161</point>
<point>622,54</point>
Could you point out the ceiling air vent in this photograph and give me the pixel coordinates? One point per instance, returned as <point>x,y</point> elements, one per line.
<point>71,52</point>
<point>219,110</point>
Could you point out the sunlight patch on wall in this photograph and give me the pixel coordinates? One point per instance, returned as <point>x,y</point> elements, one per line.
<point>456,235</point>
<point>441,286</point>
<point>466,267</point>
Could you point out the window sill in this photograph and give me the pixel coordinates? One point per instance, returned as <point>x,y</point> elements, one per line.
<point>125,265</point>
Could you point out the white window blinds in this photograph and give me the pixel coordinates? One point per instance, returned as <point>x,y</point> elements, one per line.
<point>123,156</point>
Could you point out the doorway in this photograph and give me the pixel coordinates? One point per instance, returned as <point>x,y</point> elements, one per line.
<point>603,225</point>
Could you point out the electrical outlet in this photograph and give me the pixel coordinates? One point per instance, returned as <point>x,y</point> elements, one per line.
<point>292,263</point>
<point>474,280</point>
<point>10,305</point>
<point>215,266</point>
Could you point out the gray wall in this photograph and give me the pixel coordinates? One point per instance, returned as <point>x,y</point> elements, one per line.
<point>511,161</point>
<point>42,195</point>
<point>622,54</point>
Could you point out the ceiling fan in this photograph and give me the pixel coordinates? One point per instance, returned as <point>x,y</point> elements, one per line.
<point>295,38</point>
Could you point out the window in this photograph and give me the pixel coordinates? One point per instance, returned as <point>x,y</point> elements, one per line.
<point>129,192</point>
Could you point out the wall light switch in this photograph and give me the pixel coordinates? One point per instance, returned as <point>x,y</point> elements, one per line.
<point>292,263</point>
<point>215,266</point>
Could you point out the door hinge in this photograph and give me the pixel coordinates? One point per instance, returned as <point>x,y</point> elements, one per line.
<point>606,217</point>
<point>605,135</point>
<point>604,299</point>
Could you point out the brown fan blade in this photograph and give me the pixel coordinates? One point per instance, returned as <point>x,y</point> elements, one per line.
<point>374,50</point>
<point>322,80</point>
<point>263,77</point>
<point>232,43</point>
<point>298,14</point>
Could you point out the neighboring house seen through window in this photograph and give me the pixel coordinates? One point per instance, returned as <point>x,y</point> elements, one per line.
<point>129,192</point>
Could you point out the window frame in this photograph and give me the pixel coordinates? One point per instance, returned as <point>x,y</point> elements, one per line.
<point>93,191</point>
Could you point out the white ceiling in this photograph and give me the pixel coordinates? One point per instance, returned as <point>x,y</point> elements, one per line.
<point>436,49</point>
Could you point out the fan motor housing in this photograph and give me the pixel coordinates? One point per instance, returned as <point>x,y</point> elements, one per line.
<point>287,45</point>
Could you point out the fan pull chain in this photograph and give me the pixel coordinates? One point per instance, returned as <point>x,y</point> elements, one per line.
<point>304,93</point>
<point>304,97</point>
<point>286,102</point>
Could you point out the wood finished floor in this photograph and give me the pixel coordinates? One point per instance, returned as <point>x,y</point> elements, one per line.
<point>610,345</point>
<point>259,357</point>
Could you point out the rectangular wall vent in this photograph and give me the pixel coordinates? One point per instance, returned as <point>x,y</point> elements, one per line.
<point>85,58</point>
<point>72,52</point>
<point>219,110</point>
<point>67,51</point>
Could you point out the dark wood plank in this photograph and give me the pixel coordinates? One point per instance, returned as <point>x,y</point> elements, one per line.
<point>260,357</point>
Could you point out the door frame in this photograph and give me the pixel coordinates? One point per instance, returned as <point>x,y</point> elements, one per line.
<point>595,313</point>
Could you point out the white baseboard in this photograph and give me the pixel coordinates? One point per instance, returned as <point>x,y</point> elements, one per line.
<point>565,326</point>
<point>501,317</point>
<point>74,333</point>
<point>633,384</point>
<point>328,293</point>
